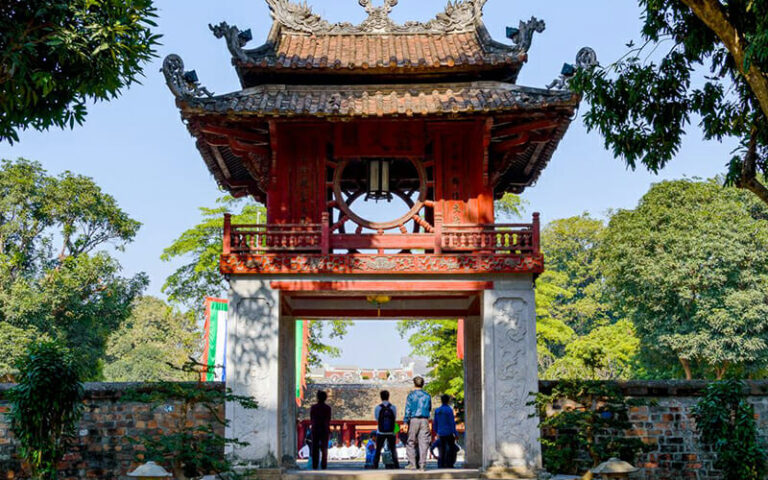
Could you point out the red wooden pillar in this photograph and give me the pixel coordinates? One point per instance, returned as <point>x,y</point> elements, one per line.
<point>536,227</point>
<point>344,433</point>
<point>227,234</point>
<point>301,431</point>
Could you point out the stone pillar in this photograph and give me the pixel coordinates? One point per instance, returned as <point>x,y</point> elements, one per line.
<point>473,393</point>
<point>287,393</point>
<point>252,369</point>
<point>510,436</point>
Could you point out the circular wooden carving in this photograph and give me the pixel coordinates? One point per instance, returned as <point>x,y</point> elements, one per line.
<point>416,205</point>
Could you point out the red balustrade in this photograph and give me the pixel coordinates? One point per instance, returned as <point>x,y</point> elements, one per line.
<point>499,239</point>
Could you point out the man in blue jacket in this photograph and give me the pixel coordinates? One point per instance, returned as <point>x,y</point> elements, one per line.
<point>418,407</point>
<point>445,427</point>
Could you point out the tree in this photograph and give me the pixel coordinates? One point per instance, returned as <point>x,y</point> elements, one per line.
<point>46,406</point>
<point>55,55</point>
<point>708,60</point>
<point>579,334</point>
<point>690,266</point>
<point>202,246</point>
<point>151,343</point>
<point>53,280</point>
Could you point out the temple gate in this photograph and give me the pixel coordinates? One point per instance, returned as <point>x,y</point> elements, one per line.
<point>331,115</point>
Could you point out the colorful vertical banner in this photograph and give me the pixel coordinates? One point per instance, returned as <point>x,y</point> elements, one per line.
<point>460,339</point>
<point>215,340</point>
<point>302,351</point>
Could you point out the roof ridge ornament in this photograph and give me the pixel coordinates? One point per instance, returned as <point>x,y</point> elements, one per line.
<point>183,84</point>
<point>586,59</point>
<point>522,36</point>
<point>459,16</point>
<point>236,39</point>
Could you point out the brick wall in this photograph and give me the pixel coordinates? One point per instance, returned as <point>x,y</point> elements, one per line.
<point>103,449</point>
<point>666,426</point>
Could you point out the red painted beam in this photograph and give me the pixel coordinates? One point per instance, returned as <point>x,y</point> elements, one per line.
<point>363,286</point>
<point>401,241</point>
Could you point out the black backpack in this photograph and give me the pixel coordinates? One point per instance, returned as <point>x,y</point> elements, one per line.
<point>386,419</point>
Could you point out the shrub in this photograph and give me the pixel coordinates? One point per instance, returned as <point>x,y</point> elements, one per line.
<point>726,421</point>
<point>588,428</point>
<point>45,406</point>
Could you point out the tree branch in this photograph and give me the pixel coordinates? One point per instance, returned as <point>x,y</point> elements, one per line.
<point>748,178</point>
<point>713,15</point>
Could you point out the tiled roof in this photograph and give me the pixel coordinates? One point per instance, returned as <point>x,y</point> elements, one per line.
<point>381,100</point>
<point>394,51</point>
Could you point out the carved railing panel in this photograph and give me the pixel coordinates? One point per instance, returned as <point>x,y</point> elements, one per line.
<point>497,239</point>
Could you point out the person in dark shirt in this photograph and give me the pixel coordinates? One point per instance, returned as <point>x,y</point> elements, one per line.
<point>444,425</point>
<point>320,417</point>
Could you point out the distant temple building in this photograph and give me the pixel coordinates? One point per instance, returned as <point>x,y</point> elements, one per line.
<point>409,367</point>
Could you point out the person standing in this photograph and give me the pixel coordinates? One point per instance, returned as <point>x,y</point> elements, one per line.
<point>320,417</point>
<point>418,407</point>
<point>444,426</point>
<point>386,415</point>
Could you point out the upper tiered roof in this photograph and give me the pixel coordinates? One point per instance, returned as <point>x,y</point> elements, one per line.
<point>302,47</point>
<point>309,68</point>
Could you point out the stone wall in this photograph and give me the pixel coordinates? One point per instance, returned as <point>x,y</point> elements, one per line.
<point>666,426</point>
<point>103,449</point>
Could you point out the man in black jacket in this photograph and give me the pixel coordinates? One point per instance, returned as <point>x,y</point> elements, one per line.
<point>320,417</point>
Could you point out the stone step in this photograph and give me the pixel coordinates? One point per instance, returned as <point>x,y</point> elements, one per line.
<point>381,474</point>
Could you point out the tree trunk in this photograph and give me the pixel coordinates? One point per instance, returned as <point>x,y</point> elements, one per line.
<point>687,367</point>
<point>713,15</point>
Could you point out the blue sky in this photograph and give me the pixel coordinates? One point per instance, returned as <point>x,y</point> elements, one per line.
<point>137,149</point>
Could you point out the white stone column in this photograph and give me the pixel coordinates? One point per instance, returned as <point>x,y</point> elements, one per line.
<point>473,392</point>
<point>510,435</point>
<point>252,369</point>
<point>287,393</point>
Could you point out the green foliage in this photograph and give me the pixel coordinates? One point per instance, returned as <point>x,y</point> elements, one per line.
<point>643,103</point>
<point>54,280</point>
<point>726,421</point>
<point>584,423</point>
<point>55,55</point>
<point>690,266</point>
<point>153,336</point>
<point>607,352</point>
<point>13,340</point>
<point>191,449</point>
<point>579,333</point>
<point>509,206</point>
<point>202,246</point>
<point>436,340</point>
<point>45,406</point>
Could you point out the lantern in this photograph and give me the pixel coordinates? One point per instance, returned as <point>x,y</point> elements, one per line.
<point>613,468</point>
<point>378,180</point>
<point>150,471</point>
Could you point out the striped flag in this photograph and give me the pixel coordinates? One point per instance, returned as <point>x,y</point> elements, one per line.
<point>302,350</point>
<point>215,340</point>
<point>460,339</point>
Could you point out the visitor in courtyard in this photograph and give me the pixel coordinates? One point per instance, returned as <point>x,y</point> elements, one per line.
<point>370,450</point>
<point>418,407</point>
<point>386,415</point>
<point>320,417</point>
<point>444,425</point>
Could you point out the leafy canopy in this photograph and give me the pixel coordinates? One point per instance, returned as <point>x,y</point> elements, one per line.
<point>148,344</point>
<point>56,280</point>
<point>690,266</point>
<point>579,333</point>
<point>699,60</point>
<point>55,55</point>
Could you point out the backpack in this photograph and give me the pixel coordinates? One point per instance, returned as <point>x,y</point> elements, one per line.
<point>386,419</point>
